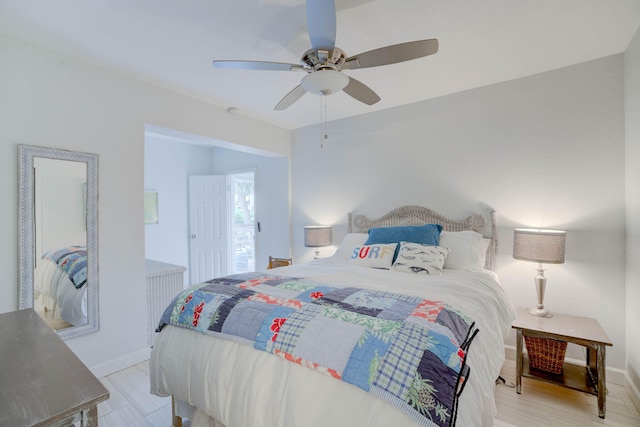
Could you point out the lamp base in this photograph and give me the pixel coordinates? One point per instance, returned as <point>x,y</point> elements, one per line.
<point>541,284</point>
<point>540,312</point>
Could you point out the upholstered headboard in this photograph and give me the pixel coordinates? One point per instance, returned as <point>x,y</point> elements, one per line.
<point>418,215</point>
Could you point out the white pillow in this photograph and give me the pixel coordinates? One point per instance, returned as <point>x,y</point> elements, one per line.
<point>468,250</point>
<point>379,255</point>
<point>420,259</point>
<point>350,241</point>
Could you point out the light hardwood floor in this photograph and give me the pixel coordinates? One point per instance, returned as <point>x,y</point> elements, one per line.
<point>131,404</point>
<point>542,404</point>
<point>539,405</point>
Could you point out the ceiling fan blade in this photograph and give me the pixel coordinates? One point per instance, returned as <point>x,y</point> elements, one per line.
<point>290,98</point>
<point>321,24</point>
<point>257,65</point>
<point>392,54</point>
<point>361,92</point>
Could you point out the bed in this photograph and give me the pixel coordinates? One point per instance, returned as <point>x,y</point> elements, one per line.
<point>60,284</point>
<point>218,379</point>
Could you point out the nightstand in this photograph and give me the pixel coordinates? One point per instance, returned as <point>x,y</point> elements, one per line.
<point>583,331</point>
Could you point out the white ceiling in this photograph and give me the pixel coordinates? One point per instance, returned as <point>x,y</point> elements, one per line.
<point>172,43</point>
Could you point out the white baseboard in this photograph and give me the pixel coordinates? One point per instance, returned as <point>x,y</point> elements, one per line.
<point>510,352</point>
<point>614,375</point>
<point>632,391</point>
<point>108,368</point>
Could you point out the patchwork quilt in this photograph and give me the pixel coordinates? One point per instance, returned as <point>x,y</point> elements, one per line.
<point>404,349</point>
<point>73,261</point>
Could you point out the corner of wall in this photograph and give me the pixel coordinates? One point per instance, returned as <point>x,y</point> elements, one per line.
<point>126,361</point>
<point>631,384</point>
<point>632,208</point>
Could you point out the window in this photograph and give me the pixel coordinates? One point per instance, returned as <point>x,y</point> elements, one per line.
<point>243,221</point>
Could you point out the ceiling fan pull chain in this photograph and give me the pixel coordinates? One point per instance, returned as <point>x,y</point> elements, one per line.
<point>323,120</point>
<point>325,116</point>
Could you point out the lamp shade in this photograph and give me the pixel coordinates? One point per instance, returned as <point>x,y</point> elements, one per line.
<point>316,236</point>
<point>543,246</point>
<point>325,82</point>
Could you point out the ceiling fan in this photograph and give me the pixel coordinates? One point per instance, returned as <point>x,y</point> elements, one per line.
<point>324,62</point>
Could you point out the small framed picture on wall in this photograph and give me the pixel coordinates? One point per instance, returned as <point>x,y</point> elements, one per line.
<point>151,207</point>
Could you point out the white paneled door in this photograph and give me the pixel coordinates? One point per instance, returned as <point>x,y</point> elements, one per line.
<point>208,228</point>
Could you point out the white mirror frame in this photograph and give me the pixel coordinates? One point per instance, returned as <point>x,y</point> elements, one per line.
<point>26,234</point>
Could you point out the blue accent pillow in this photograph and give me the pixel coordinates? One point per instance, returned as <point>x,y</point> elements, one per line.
<point>428,234</point>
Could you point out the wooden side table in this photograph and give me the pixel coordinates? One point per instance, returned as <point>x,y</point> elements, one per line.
<point>583,331</point>
<point>43,381</point>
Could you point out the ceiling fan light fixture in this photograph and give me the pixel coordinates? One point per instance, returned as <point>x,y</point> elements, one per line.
<point>325,82</point>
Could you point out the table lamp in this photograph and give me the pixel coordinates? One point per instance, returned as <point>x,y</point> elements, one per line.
<point>317,236</point>
<point>543,247</point>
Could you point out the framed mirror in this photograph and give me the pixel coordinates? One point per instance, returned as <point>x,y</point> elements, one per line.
<point>58,238</point>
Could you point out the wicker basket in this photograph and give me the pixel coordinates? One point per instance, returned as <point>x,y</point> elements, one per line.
<point>546,354</point>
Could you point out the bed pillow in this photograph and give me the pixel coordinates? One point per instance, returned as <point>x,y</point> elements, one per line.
<point>350,241</point>
<point>374,256</point>
<point>428,234</point>
<point>420,259</point>
<point>468,250</point>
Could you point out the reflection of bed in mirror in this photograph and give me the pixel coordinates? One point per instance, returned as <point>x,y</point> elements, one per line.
<point>60,292</point>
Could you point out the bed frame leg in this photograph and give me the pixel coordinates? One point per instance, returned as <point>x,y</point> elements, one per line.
<point>176,421</point>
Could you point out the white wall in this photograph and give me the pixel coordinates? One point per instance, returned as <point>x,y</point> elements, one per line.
<point>56,101</point>
<point>632,157</point>
<point>543,151</point>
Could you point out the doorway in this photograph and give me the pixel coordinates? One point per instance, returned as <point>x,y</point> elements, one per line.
<point>170,162</point>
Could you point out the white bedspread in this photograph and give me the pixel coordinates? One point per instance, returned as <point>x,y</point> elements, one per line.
<point>54,290</point>
<point>243,387</point>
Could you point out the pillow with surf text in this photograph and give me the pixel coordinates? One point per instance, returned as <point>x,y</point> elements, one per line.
<point>374,256</point>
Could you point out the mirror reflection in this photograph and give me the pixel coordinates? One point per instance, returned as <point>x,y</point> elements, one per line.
<point>60,242</point>
<point>58,238</point>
